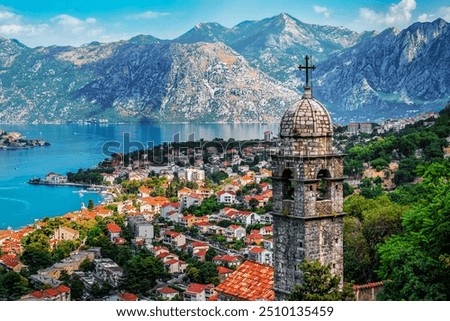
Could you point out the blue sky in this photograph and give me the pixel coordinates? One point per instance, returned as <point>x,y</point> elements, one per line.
<point>74,22</point>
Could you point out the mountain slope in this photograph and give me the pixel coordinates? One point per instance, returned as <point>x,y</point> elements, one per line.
<point>389,75</point>
<point>128,81</point>
<point>276,45</point>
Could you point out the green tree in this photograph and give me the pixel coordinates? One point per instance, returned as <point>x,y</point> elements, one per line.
<point>76,289</point>
<point>63,250</point>
<point>203,272</point>
<point>210,254</point>
<point>413,262</point>
<point>253,203</point>
<point>90,205</point>
<point>141,273</point>
<point>37,256</point>
<point>13,286</point>
<point>319,284</point>
<point>87,265</point>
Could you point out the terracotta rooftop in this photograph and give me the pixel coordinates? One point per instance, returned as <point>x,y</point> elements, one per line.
<point>251,281</point>
<point>167,290</point>
<point>197,243</point>
<point>197,288</point>
<point>256,249</point>
<point>113,228</point>
<point>126,296</point>
<point>224,270</point>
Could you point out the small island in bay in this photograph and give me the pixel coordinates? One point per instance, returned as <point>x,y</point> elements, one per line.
<point>15,140</point>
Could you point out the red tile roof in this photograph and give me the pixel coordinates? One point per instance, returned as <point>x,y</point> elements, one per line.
<point>126,296</point>
<point>251,281</point>
<point>197,243</point>
<point>225,192</point>
<point>224,270</point>
<point>63,288</point>
<point>10,260</point>
<point>113,228</point>
<point>256,249</point>
<point>200,253</point>
<point>196,288</point>
<point>167,290</point>
<point>172,261</point>
<point>172,233</point>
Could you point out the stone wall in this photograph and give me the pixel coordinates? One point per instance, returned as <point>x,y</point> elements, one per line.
<point>367,292</point>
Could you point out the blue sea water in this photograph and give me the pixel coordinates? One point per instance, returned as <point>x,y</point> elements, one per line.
<point>82,146</point>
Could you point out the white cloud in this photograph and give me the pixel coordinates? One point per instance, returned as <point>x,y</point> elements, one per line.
<point>6,15</point>
<point>323,10</point>
<point>443,12</point>
<point>397,14</point>
<point>12,26</point>
<point>425,17</point>
<point>150,15</point>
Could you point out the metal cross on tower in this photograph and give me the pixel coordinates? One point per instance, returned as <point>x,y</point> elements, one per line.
<point>307,67</point>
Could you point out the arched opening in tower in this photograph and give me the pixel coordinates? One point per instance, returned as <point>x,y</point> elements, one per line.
<point>288,186</point>
<point>324,192</point>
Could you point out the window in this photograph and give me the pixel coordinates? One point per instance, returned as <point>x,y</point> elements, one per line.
<point>324,185</point>
<point>288,187</point>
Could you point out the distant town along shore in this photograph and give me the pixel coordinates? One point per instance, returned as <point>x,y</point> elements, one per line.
<point>15,140</point>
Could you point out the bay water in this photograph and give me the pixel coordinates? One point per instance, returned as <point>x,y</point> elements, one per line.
<point>76,146</point>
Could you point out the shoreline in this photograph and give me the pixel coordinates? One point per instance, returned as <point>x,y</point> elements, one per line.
<point>40,182</point>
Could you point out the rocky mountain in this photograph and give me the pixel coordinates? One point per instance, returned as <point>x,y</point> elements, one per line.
<point>242,74</point>
<point>139,80</point>
<point>391,74</point>
<point>275,44</point>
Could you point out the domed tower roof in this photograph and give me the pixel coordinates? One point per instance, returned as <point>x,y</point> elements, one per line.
<point>307,117</point>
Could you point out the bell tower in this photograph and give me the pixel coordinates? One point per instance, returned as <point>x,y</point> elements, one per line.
<point>307,193</point>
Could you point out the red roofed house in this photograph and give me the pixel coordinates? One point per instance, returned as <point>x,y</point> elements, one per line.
<point>60,293</point>
<point>114,230</point>
<point>198,292</point>
<point>103,211</point>
<point>167,293</point>
<point>168,208</point>
<point>184,191</point>
<point>227,197</point>
<point>202,227</point>
<point>250,282</point>
<point>266,230</point>
<point>234,232</point>
<point>223,272</point>
<point>127,296</point>
<point>175,266</point>
<point>228,260</point>
<point>254,238</point>
<point>188,220</point>
<point>198,246</point>
<point>191,200</point>
<point>11,262</point>
<point>228,213</point>
<point>153,204</point>
<point>200,255</point>
<point>260,255</point>
<point>174,239</point>
<point>262,200</point>
<point>145,191</point>
<point>247,218</point>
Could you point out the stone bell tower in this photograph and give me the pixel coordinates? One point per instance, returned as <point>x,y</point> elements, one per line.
<point>307,193</point>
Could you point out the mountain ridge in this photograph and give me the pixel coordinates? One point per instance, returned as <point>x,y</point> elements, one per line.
<point>360,76</point>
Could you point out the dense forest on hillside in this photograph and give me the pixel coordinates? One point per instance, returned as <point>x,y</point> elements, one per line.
<point>401,236</point>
